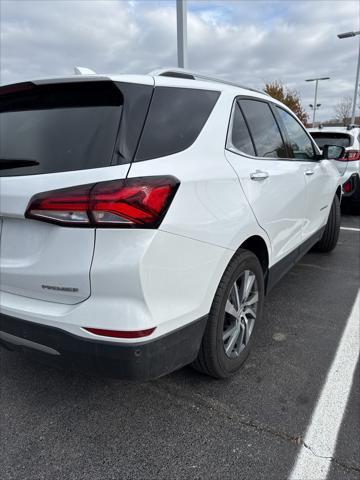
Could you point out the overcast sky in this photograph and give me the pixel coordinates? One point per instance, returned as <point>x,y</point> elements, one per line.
<point>246,41</point>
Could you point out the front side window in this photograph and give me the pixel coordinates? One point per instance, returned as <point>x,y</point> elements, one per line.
<point>264,129</point>
<point>239,135</point>
<point>301,145</point>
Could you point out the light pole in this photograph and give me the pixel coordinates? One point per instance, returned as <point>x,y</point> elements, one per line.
<point>181,17</point>
<point>316,80</point>
<point>347,35</point>
<point>316,107</point>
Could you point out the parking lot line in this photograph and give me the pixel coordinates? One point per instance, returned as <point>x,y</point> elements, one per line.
<point>350,228</point>
<point>314,458</point>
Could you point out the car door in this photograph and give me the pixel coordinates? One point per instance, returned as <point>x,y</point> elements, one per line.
<point>275,186</point>
<point>320,175</point>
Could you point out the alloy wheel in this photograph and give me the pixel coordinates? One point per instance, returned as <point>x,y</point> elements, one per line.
<point>240,314</point>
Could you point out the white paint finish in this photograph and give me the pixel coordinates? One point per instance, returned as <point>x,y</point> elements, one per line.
<point>321,188</point>
<point>150,278</point>
<point>210,204</point>
<point>145,278</point>
<point>184,272</point>
<point>140,279</point>
<point>35,253</point>
<point>83,71</point>
<point>278,202</point>
<point>314,458</point>
<point>126,78</point>
<point>350,229</point>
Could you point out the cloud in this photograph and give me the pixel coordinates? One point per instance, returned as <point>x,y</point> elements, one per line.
<point>249,42</point>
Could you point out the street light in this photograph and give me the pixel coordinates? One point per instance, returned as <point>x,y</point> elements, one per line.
<point>317,106</point>
<point>347,35</point>
<point>316,80</point>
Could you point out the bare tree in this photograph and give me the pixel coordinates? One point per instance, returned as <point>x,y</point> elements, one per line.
<point>343,110</point>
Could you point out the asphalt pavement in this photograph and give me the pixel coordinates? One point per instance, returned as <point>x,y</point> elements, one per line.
<point>64,425</point>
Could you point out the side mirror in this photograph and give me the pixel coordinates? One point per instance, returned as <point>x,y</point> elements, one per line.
<point>333,152</point>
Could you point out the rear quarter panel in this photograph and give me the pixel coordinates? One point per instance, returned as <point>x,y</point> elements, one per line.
<point>210,205</point>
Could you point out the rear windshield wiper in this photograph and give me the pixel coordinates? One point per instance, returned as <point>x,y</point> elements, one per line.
<point>6,163</point>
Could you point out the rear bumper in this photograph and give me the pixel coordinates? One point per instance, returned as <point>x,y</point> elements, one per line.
<point>140,361</point>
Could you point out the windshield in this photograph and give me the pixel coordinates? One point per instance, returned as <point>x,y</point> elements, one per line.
<point>332,138</point>
<point>58,127</point>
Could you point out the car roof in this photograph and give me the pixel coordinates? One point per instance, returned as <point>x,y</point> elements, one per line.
<point>327,129</point>
<point>201,82</point>
<point>159,80</point>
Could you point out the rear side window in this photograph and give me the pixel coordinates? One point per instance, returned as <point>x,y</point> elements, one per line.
<point>264,129</point>
<point>239,136</point>
<point>68,126</point>
<point>175,119</point>
<point>332,138</point>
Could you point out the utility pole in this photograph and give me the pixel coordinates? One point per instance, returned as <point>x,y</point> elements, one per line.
<point>181,17</point>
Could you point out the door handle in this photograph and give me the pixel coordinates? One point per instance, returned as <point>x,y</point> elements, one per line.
<point>309,172</point>
<point>259,175</point>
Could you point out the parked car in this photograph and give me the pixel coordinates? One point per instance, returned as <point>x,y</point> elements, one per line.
<point>145,217</point>
<point>349,166</point>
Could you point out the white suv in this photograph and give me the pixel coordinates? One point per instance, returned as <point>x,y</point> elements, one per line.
<point>349,165</point>
<point>144,218</point>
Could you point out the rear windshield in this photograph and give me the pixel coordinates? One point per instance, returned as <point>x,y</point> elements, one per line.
<point>58,127</point>
<point>332,138</point>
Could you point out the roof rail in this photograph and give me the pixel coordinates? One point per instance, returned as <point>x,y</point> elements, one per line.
<point>190,75</point>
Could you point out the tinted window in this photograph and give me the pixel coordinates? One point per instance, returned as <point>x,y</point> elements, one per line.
<point>175,119</point>
<point>264,129</point>
<point>329,138</point>
<point>55,128</point>
<point>300,143</point>
<point>239,135</point>
<point>69,126</point>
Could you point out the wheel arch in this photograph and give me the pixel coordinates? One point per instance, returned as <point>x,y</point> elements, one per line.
<point>258,247</point>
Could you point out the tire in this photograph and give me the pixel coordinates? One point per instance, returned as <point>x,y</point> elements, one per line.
<point>330,236</point>
<point>217,357</point>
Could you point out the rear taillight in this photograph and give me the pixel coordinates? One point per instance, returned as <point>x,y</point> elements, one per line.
<point>135,202</point>
<point>351,156</point>
<point>347,187</point>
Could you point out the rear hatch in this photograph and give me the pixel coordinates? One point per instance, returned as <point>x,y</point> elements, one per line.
<point>53,136</point>
<point>334,138</point>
